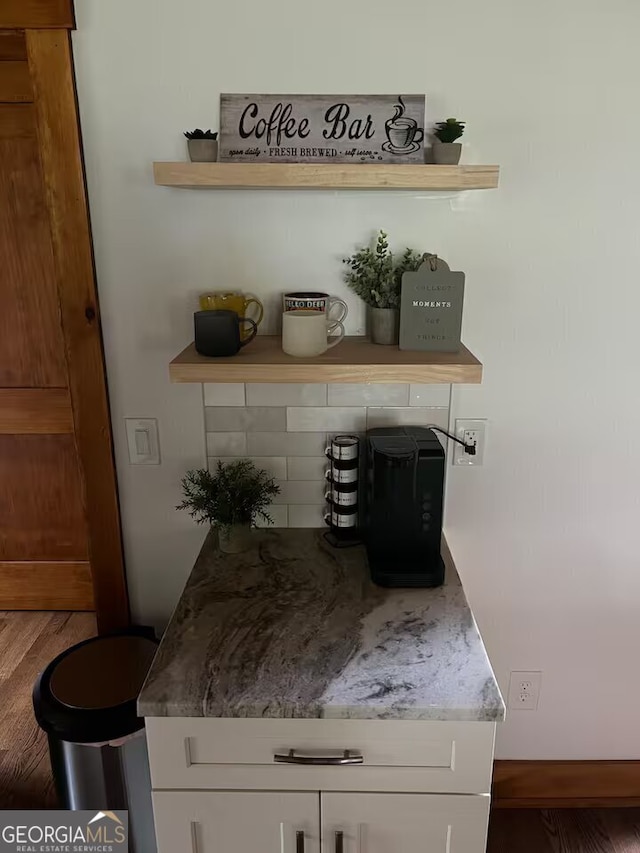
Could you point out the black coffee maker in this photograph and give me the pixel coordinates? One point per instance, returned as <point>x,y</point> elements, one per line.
<point>402,496</point>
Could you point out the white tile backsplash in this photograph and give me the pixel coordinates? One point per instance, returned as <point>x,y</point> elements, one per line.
<point>410,416</point>
<point>275,466</point>
<point>284,428</point>
<point>224,394</point>
<point>286,394</point>
<point>245,419</point>
<point>301,492</point>
<point>429,395</point>
<point>280,515</point>
<point>306,467</point>
<point>301,515</point>
<point>226,444</point>
<point>369,394</point>
<point>286,443</point>
<point>331,419</point>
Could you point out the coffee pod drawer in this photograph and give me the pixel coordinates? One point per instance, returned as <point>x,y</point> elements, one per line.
<point>341,755</point>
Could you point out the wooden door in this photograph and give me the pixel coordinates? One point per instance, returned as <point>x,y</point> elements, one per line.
<point>404,823</point>
<point>236,822</point>
<point>60,543</point>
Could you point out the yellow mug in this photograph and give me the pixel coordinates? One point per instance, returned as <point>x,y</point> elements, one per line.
<point>232,301</point>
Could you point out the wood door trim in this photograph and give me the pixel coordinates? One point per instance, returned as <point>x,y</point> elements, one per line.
<point>35,410</point>
<point>46,585</point>
<point>566,784</point>
<point>25,14</point>
<point>15,82</point>
<point>51,66</point>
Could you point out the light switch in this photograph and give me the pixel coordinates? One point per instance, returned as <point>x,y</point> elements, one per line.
<point>142,439</point>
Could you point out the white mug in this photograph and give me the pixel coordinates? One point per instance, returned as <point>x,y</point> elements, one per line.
<point>304,333</point>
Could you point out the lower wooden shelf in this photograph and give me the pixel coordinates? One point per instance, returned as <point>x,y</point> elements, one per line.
<point>356,359</point>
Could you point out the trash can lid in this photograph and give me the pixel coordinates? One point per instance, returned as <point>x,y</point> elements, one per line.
<point>88,694</point>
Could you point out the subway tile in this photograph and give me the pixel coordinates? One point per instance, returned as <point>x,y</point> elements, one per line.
<point>279,514</point>
<point>275,466</point>
<point>410,416</point>
<point>286,394</point>
<point>301,492</point>
<point>369,394</point>
<point>226,444</point>
<point>429,395</point>
<point>306,467</point>
<point>331,419</point>
<point>307,516</point>
<point>286,443</point>
<point>224,394</point>
<point>245,419</point>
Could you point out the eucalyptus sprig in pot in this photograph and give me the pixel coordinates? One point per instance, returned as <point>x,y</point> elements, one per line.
<point>202,145</point>
<point>446,151</point>
<point>375,275</point>
<point>231,500</point>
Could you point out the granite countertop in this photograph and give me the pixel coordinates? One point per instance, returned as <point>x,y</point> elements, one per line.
<point>295,628</point>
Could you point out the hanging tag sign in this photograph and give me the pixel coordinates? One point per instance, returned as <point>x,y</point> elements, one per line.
<point>431,307</point>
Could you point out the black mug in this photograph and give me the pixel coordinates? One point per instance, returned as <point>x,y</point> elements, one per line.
<point>217,333</point>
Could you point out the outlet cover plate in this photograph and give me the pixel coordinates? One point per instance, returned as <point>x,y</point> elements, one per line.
<point>524,690</point>
<point>468,430</point>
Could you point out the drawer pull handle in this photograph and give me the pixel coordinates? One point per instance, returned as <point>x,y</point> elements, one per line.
<point>347,757</point>
<point>339,842</point>
<point>299,841</point>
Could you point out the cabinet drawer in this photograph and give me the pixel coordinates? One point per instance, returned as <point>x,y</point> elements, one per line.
<point>397,755</point>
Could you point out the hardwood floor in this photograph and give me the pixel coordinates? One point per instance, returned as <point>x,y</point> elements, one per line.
<point>28,642</point>
<point>564,831</point>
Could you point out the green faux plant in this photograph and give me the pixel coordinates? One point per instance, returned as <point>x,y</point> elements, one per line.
<point>201,134</point>
<point>237,493</point>
<point>449,130</point>
<point>376,277</point>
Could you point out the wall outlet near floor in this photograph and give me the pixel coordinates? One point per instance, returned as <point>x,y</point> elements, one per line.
<point>471,432</point>
<point>524,691</point>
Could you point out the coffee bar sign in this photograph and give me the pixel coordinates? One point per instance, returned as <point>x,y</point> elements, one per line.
<point>322,128</point>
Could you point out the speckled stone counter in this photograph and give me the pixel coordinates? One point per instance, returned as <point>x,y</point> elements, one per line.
<point>295,628</point>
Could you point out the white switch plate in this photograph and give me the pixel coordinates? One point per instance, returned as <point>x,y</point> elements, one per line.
<point>142,440</point>
<point>524,690</point>
<point>471,432</point>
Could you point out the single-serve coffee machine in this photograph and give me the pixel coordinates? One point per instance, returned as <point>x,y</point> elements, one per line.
<point>402,496</point>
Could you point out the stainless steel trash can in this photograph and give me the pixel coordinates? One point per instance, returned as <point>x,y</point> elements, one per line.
<point>85,701</point>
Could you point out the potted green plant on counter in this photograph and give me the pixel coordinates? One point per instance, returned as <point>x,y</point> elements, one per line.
<point>446,151</point>
<point>231,500</point>
<point>202,145</point>
<point>376,277</point>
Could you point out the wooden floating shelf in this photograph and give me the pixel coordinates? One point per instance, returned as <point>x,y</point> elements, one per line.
<point>354,360</point>
<point>350,176</point>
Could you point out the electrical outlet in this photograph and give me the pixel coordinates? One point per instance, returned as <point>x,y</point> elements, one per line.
<point>524,691</point>
<point>471,432</point>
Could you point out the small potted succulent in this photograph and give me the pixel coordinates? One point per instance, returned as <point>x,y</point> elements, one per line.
<point>202,145</point>
<point>231,499</point>
<point>446,151</point>
<point>376,277</point>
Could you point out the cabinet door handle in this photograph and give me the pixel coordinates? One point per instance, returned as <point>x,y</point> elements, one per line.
<point>348,757</point>
<point>339,842</point>
<point>300,841</point>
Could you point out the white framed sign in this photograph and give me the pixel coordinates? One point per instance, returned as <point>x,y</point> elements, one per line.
<point>322,128</point>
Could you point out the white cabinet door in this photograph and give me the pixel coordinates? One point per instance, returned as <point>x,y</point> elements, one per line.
<point>236,822</point>
<point>404,823</point>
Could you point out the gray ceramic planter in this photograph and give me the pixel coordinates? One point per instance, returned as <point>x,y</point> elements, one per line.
<point>203,150</point>
<point>235,539</point>
<point>384,325</point>
<point>447,153</point>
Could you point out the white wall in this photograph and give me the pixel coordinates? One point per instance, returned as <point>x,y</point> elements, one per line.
<point>545,534</point>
